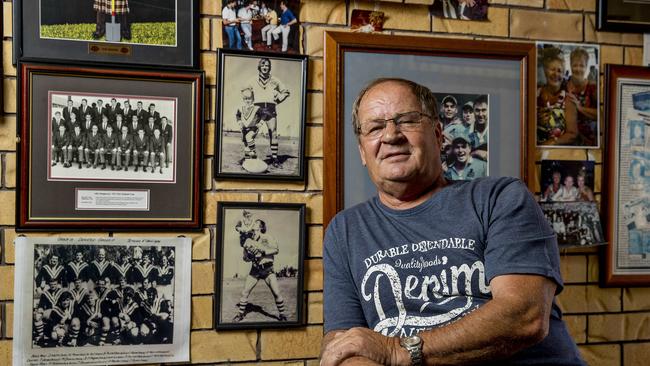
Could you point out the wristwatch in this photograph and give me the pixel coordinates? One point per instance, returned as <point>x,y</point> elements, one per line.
<point>413,345</point>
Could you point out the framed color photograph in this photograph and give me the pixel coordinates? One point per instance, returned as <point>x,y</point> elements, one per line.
<point>497,74</point>
<point>261,116</point>
<point>626,199</point>
<point>567,181</point>
<point>568,84</point>
<point>120,31</point>
<point>259,277</point>
<point>576,224</point>
<point>623,15</point>
<point>109,301</point>
<point>107,148</point>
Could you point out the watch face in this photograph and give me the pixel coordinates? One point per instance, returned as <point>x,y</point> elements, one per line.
<point>411,341</point>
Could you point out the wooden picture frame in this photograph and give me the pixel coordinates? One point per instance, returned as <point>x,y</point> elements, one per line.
<point>83,179</point>
<point>261,249</point>
<point>626,198</point>
<point>352,60</point>
<point>623,16</point>
<point>166,31</point>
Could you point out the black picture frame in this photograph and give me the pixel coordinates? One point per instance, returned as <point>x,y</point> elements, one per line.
<point>623,16</point>
<point>31,40</point>
<point>69,196</point>
<point>237,247</point>
<point>231,149</point>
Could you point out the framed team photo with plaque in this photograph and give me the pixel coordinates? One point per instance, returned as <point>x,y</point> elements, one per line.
<point>116,31</point>
<point>261,106</point>
<point>109,148</point>
<point>259,277</point>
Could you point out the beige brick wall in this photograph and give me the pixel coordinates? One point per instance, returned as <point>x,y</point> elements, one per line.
<point>610,325</point>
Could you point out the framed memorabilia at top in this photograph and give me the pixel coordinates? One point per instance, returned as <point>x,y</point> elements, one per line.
<point>623,15</point>
<point>109,148</point>
<point>491,80</point>
<point>626,199</point>
<point>118,31</point>
<point>261,107</point>
<point>259,281</point>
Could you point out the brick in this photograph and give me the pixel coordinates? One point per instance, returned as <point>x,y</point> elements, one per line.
<point>601,355</point>
<point>313,201</point>
<point>634,56</point>
<point>315,308</point>
<point>211,346</point>
<point>574,268</point>
<point>595,155</point>
<point>577,326</point>
<point>9,171</point>
<point>7,214</point>
<point>419,2</point>
<point>603,299</point>
<point>636,299</point>
<point>314,275</point>
<point>598,173</point>
<point>594,268</point>
<point>496,25</point>
<point>208,163</point>
<point>528,3</point>
<point>573,5</point>
<point>314,142</point>
<point>315,78</point>
<point>619,327</point>
<point>323,11</point>
<point>314,39</point>
<point>209,65</point>
<point>202,278</point>
<point>315,241</point>
<point>212,109</point>
<point>217,34</point>
<point>610,55</point>
<point>211,7</point>
<point>202,312</point>
<point>7,58</point>
<point>9,320</point>
<point>208,138</point>
<point>636,354</point>
<point>593,36</point>
<point>315,175</point>
<point>400,17</point>
<point>9,96</point>
<point>253,185</point>
<point>204,32</point>
<point>315,108</point>
<point>547,26</point>
<point>7,281</point>
<point>7,18</point>
<point>560,154</point>
<point>211,199</point>
<point>573,299</point>
<point>305,343</point>
<point>5,352</point>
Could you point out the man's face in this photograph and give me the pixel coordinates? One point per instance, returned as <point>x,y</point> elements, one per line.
<point>73,118</point>
<point>125,130</point>
<point>247,97</point>
<point>481,112</point>
<point>134,120</point>
<point>581,181</point>
<point>265,67</point>
<point>556,178</point>
<point>101,255</point>
<point>141,133</point>
<point>104,120</point>
<point>70,103</point>
<point>139,105</point>
<point>156,133</point>
<point>164,121</point>
<point>84,102</point>
<point>79,257</point>
<point>449,109</point>
<point>109,129</point>
<point>57,115</point>
<point>150,121</point>
<point>94,130</point>
<point>88,118</point>
<point>62,129</point>
<point>54,261</point>
<point>113,102</point>
<point>152,108</point>
<point>398,156</point>
<point>101,283</point>
<point>462,150</point>
<point>568,181</point>
<point>468,115</point>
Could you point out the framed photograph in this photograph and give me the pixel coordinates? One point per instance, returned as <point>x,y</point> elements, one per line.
<point>367,21</point>
<point>626,198</point>
<point>106,301</point>
<point>567,181</point>
<point>498,72</point>
<point>259,277</point>
<point>623,15</point>
<point>450,9</point>
<point>118,31</point>
<point>266,26</point>
<point>262,113</point>
<point>568,84</point>
<point>576,224</point>
<point>107,148</point>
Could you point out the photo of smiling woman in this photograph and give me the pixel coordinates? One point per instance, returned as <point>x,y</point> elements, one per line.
<point>567,95</point>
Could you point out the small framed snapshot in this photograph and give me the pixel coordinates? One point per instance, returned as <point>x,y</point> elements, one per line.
<point>106,148</point>
<point>118,31</point>
<point>259,277</point>
<point>568,84</point>
<point>109,301</point>
<point>464,10</point>
<point>576,224</point>
<point>261,119</point>
<point>567,181</point>
<point>367,21</point>
<point>626,191</point>
<point>623,15</point>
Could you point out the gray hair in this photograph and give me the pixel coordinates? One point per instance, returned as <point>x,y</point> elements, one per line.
<point>421,92</point>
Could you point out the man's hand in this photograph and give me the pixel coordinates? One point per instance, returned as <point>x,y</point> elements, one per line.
<point>366,343</point>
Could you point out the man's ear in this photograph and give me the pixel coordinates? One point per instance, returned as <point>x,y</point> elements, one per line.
<point>362,155</point>
<point>437,131</point>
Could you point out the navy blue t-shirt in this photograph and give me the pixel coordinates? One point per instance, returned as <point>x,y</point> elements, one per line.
<point>400,272</point>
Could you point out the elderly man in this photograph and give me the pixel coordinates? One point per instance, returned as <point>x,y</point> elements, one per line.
<point>431,271</point>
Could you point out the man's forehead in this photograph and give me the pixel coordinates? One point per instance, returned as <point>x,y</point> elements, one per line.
<point>388,95</point>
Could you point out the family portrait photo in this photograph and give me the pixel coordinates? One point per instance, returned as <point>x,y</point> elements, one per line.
<point>259,281</point>
<point>103,137</point>
<point>574,223</point>
<point>261,123</point>
<point>464,122</point>
<point>567,181</point>
<point>567,95</point>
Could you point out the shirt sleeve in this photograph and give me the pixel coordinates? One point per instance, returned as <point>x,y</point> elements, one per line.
<point>342,308</point>
<point>519,237</point>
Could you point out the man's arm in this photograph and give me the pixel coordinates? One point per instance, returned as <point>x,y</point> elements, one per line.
<point>516,318</point>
